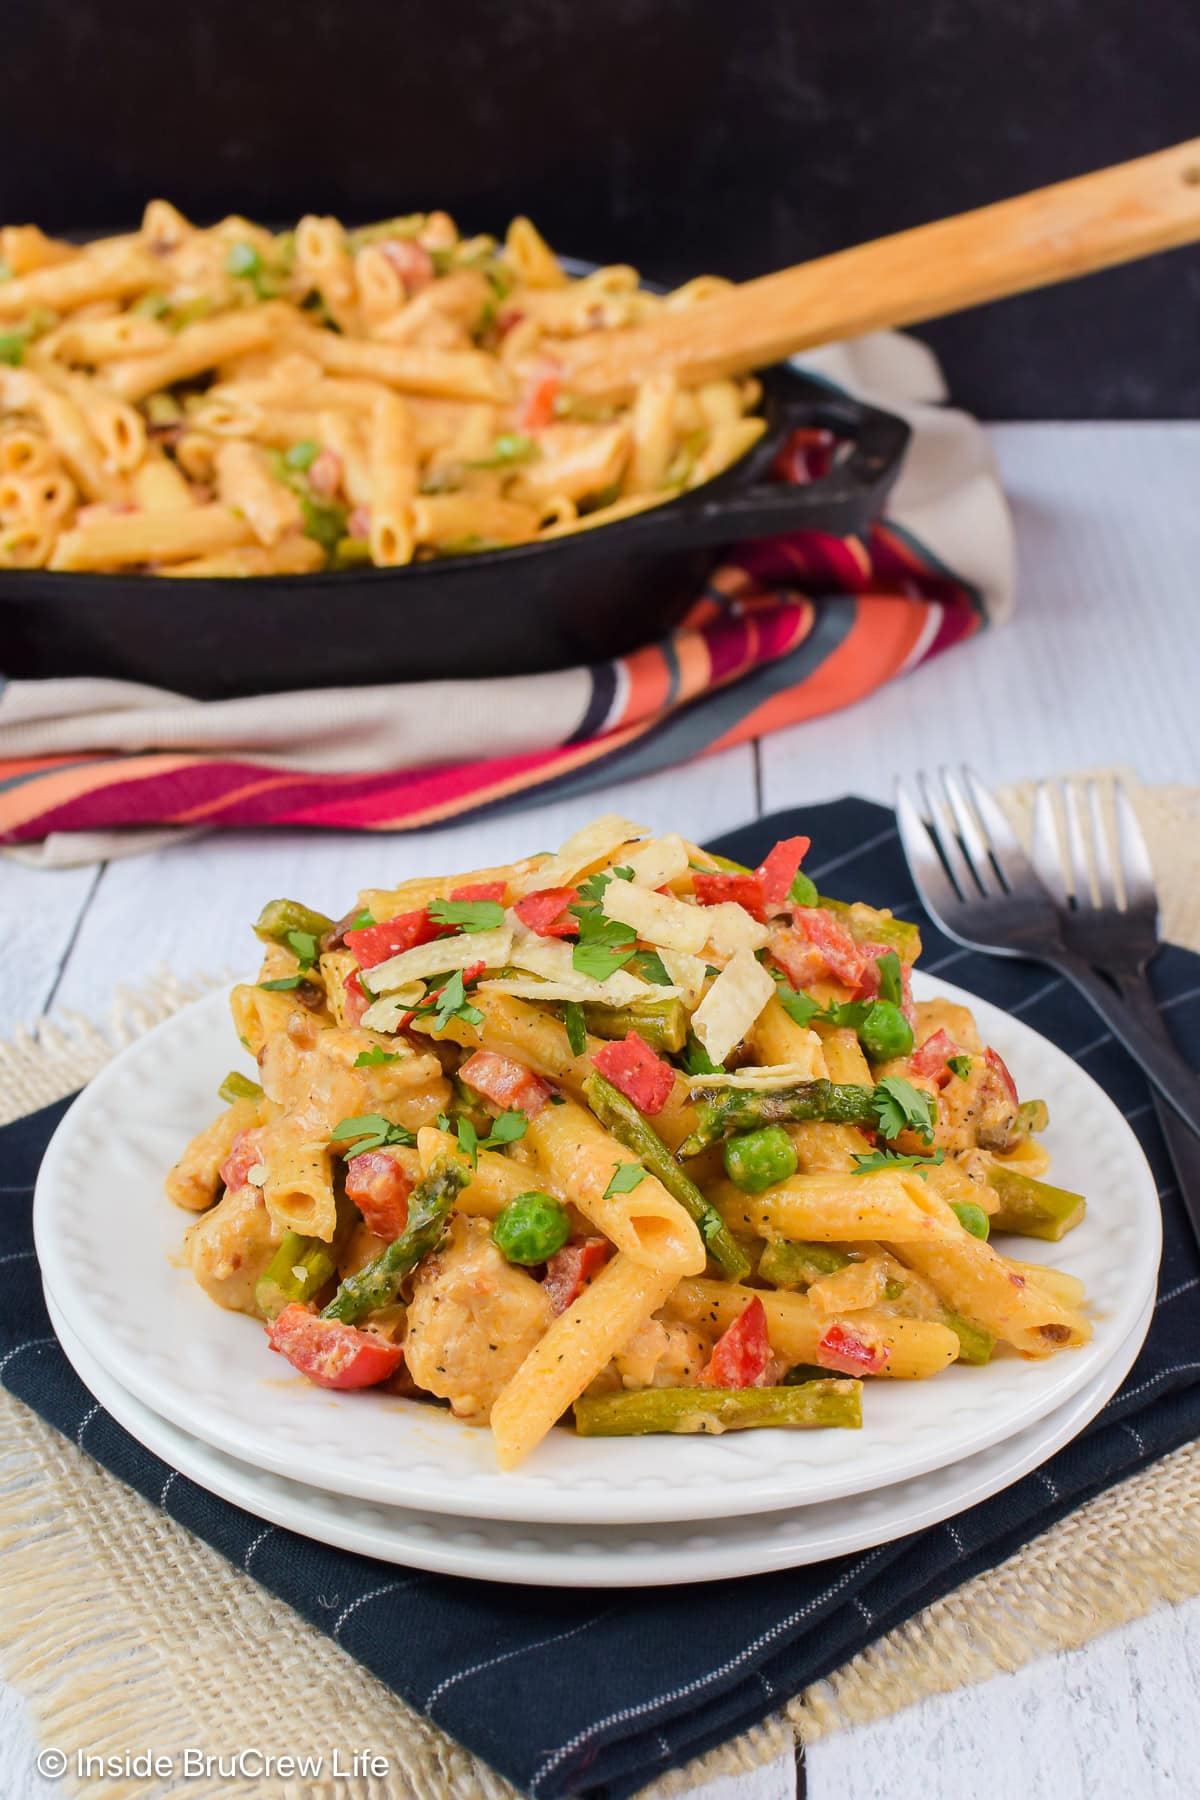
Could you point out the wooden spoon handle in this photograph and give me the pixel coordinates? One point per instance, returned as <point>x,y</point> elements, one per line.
<point>1049,235</point>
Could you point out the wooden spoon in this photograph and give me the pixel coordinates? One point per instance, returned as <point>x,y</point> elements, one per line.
<point>1052,234</point>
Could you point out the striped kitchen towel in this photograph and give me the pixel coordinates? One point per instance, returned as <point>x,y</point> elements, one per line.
<point>786,629</point>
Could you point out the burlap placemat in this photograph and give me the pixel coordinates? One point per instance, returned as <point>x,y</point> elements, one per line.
<point>125,1633</point>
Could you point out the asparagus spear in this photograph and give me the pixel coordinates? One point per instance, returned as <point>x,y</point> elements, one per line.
<point>237,1086</point>
<point>795,1265</point>
<point>1033,1115</point>
<point>662,1024</point>
<point>278,917</point>
<point>302,1266</point>
<point>620,1116</point>
<point>975,1345</point>
<point>725,1112</point>
<point>429,1208</point>
<point>1033,1208</point>
<point>719,1409</point>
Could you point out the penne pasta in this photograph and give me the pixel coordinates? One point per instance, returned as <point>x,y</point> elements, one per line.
<point>402,382</point>
<point>142,537</point>
<point>582,1159</point>
<point>572,1353</point>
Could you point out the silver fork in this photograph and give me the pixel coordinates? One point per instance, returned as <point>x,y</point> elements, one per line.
<point>1113,922</point>
<point>978,883</point>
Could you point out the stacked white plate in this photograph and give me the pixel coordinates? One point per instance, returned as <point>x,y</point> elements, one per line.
<point>404,1482</point>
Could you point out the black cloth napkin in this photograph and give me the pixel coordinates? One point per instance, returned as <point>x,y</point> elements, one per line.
<point>569,1691</point>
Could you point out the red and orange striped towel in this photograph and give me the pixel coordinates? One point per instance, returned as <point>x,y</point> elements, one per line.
<point>786,630</point>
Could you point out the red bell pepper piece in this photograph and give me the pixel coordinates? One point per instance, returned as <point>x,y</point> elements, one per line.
<point>411,261</point>
<point>998,1066</point>
<point>641,1076</point>
<point>715,886</point>
<point>742,1353</point>
<point>777,871</point>
<point>244,1153</point>
<point>570,1269</point>
<point>536,409</point>
<point>325,473</point>
<point>507,1083</point>
<point>331,1354</point>
<point>376,943</point>
<point>844,1350</point>
<point>546,912</point>
<point>933,1055</point>
<point>800,961</point>
<point>356,1001</point>
<point>480,890</point>
<point>844,959</point>
<point>379,1187</point>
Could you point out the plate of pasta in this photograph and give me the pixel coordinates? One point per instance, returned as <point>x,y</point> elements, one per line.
<point>381,411</point>
<point>612,1185</point>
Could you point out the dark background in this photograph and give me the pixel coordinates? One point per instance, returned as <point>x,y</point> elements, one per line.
<point>731,135</point>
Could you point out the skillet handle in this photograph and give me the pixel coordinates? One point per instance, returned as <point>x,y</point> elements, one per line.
<point>752,505</point>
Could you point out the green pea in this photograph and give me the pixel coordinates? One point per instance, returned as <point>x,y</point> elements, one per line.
<point>242,259</point>
<point>758,1159</point>
<point>885,1033</point>
<point>972,1218</point>
<point>531,1228</point>
<point>12,349</point>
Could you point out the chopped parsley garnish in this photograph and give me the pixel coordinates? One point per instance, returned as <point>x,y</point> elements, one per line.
<point>576,1026</point>
<point>451,1003</point>
<point>605,945</point>
<point>959,1065</point>
<point>306,947</point>
<point>799,1006</point>
<point>697,1061</point>
<point>892,1159</point>
<point>375,1057</point>
<point>370,1131</point>
<point>625,1177</point>
<point>507,1129</point>
<point>361,920</point>
<point>284,984</point>
<point>901,1107</point>
<point>468,915</point>
<point>648,965</point>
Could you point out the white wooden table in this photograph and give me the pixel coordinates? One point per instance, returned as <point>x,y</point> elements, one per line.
<point>1099,667</point>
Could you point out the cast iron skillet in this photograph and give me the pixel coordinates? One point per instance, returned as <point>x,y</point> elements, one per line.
<point>578,599</point>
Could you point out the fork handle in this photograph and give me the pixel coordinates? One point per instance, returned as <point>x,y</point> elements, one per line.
<point>1156,1056</point>
<point>1183,1146</point>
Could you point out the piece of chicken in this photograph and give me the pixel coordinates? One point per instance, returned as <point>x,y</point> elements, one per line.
<point>230,1247</point>
<point>472,1321</point>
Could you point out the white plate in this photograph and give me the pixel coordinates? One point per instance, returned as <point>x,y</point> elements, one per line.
<point>614,1556</point>
<point>108,1244</point>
